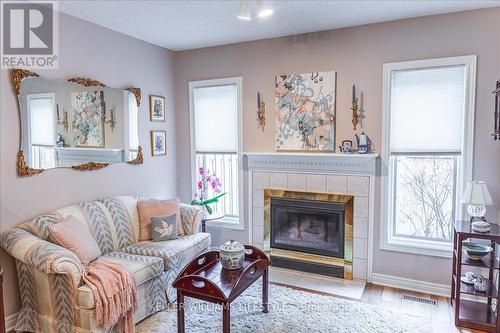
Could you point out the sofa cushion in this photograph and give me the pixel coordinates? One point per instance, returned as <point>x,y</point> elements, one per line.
<point>113,222</point>
<point>176,252</point>
<point>75,236</point>
<point>164,228</point>
<point>144,268</point>
<point>149,208</point>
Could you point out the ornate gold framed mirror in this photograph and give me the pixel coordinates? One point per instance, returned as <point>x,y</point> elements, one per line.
<point>77,123</point>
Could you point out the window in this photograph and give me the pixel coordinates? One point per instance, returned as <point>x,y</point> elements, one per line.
<point>427,152</point>
<point>41,130</point>
<point>215,108</point>
<point>133,127</point>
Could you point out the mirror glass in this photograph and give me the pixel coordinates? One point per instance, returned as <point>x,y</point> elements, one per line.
<point>64,124</point>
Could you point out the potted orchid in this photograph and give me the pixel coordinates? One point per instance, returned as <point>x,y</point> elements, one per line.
<point>208,180</point>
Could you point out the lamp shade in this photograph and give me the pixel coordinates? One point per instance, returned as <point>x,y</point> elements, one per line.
<point>477,193</point>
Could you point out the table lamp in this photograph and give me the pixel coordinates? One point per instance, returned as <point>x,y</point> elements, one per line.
<point>476,195</point>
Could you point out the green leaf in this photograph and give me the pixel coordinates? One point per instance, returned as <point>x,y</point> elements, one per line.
<point>214,199</point>
<point>209,210</point>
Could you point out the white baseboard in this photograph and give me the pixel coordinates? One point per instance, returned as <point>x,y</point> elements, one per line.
<point>10,322</point>
<point>413,285</point>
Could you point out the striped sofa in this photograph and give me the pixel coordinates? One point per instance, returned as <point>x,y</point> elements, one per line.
<point>54,297</point>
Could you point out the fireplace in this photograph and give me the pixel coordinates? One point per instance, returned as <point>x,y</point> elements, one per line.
<point>309,231</point>
<point>309,226</point>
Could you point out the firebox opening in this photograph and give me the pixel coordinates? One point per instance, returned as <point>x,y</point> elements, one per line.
<point>308,226</point>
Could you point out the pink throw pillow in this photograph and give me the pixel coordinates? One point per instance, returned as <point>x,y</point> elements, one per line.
<point>75,236</point>
<point>150,208</point>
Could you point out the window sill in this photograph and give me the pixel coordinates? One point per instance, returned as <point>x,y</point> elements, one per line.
<point>226,223</point>
<point>418,247</point>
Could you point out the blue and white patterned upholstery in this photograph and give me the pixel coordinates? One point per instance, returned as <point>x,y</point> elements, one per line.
<point>54,297</point>
<point>176,254</point>
<point>144,269</point>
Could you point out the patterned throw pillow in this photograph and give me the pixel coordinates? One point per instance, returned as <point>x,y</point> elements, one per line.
<point>150,208</point>
<point>164,228</point>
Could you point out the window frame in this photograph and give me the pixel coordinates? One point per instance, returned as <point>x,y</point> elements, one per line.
<point>29,144</point>
<point>226,222</point>
<point>388,241</point>
<point>130,101</point>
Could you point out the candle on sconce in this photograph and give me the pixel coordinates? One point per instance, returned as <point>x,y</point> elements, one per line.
<point>353,93</point>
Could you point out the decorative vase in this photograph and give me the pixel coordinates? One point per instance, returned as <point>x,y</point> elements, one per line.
<point>232,255</point>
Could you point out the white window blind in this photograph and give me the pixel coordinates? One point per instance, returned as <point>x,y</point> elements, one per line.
<point>42,120</point>
<point>427,110</point>
<point>215,115</point>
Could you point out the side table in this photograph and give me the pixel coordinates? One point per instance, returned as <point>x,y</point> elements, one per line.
<point>208,219</point>
<point>469,313</point>
<point>205,279</point>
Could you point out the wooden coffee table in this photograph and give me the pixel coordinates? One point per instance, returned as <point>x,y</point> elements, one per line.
<point>205,279</point>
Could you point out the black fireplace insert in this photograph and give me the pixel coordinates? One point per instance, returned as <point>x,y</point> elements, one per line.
<point>309,226</point>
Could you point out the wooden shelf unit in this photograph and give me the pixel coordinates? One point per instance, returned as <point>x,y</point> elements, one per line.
<point>474,313</point>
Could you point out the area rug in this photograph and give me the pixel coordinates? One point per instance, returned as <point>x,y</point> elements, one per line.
<point>290,311</point>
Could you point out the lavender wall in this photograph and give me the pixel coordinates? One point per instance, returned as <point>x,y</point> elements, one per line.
<point>357,54</point>
<point>117,60</point>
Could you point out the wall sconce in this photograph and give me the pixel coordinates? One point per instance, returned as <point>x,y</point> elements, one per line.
<point>112,119</point>
<point>354,108</point>
<point>63,122</point>
<point>261,113</point>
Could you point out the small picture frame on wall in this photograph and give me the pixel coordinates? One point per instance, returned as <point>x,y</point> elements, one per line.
<point>157,108</point>
<point>158,143</point>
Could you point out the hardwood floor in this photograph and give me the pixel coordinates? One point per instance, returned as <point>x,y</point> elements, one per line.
<point>441,315</point>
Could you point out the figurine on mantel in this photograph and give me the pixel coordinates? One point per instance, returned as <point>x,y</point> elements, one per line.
<point>346,147</point>
<point>364,143</point>
<point>59,141</point>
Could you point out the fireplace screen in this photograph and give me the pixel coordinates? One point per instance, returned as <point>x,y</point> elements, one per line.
<point>310,226</point>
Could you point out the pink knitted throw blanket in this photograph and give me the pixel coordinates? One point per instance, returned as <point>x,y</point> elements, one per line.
<point>115,294</point>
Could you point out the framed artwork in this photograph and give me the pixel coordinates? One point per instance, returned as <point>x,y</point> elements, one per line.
<point>157,108</point>
<point>88,110</point>
<point>305,111</point>
<point>158,143</point>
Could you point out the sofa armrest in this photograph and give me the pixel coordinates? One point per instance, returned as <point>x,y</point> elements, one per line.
<point>45,256</point>
<point>191,217</point>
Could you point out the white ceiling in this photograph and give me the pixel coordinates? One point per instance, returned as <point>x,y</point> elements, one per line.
<point>181,25</point>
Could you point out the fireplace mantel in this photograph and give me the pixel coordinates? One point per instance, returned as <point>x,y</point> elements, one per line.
<point>357,164</point>
<point>351,174</point>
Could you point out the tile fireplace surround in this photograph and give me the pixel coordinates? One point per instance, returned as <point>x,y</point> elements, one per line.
<point>350,174</point>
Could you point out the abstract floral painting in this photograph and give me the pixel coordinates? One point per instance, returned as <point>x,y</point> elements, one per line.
<point>158,143</point>
<point>88,109</point>
<point>305,111</point>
